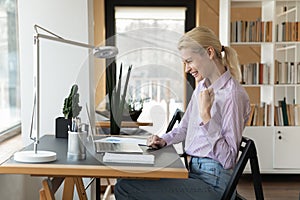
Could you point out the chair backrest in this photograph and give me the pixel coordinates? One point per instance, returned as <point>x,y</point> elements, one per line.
<point>176,118</point>
<point>248,152</point>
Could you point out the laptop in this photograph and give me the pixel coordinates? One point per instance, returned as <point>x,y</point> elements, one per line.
<point>101,146</point>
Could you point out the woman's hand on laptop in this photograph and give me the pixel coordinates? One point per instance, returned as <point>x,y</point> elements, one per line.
<point>156,142</point>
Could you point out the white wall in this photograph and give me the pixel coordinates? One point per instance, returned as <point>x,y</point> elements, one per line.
<point>60,66</point>
<point>60,63</point>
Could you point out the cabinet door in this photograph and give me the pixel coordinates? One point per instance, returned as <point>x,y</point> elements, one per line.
<point>263,139</point>
<point>287,148</point>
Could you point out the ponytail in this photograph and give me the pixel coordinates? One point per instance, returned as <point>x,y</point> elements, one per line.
<point>230,60</point>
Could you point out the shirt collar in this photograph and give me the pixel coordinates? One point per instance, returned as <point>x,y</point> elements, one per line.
<point>219,83</point>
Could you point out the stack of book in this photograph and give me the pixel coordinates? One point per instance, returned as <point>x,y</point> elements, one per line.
<point>286,114</point>
<point>251,31</point>
<point>287,31</point>
<point>286,72</point>
<point>255,73</point>
<point>260,115</point>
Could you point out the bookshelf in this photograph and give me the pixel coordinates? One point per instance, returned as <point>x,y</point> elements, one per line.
<point>266,36</point>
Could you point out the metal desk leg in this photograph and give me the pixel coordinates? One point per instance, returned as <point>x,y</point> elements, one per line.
<point>98,188</point>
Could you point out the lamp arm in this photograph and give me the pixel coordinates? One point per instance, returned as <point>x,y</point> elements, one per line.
<point>36,30</point>
<point>48,37</point>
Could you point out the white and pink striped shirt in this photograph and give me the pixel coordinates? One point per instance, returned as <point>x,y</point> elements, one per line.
<point>220,138</point>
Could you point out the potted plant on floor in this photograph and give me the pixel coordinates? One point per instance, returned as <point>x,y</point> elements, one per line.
<point>71,110</point>
<point>117,100</point>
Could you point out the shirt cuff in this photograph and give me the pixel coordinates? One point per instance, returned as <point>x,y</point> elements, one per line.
<point>167,138</point>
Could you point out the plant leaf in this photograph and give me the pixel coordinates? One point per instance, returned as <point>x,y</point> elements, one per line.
<point>121,106</point>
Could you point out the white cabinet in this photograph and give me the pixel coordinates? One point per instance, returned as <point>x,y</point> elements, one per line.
<point>286,148</point>
<point>264,145</point>
<point>270,29</point>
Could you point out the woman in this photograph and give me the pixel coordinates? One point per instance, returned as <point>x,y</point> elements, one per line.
<point>211,127</point>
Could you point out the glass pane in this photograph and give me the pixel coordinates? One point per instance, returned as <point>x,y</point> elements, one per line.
<point>9,66</point>
<point>147,39</point>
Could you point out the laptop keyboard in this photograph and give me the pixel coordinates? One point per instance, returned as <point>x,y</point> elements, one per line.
<point>103,146</point>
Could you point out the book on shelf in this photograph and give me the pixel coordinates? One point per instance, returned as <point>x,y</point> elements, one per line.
<point>286,72</point>
<point>254,117</point>
<point>293,31</point>
<point>250,120</point>
<point>268,28</point>
<point>276,120</point>
<point>298,73</point>
<point>297,32</point>
<point>259,115</point>
<point>282,72</point>
<point>297,114</point>
<point>286,114</point>
<point>279,119</point>
<point>276,70</point>
<point>251,31</point>
<point>255,73</point>
<point>285,119</point>
<point>291,114</point>
<point>287,31</point>
<point>268,115</point>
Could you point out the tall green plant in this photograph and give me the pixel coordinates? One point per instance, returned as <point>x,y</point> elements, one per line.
<point>117,99</point>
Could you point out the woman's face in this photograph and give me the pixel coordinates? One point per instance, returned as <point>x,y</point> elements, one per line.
<point>197,64</point>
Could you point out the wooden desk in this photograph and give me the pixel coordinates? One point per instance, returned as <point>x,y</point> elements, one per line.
<point>124,124</point>
<point>167,165</point>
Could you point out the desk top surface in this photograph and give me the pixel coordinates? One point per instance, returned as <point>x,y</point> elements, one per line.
<point>124,124</point>
<point>167,163</point>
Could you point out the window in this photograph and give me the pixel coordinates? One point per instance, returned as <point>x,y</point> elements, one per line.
<point>147,39</point>
<point>9,67</point>
<point>146,34</point>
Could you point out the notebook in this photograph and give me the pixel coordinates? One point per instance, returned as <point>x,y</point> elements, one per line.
<point>128,158</point>
<point>111,147</point>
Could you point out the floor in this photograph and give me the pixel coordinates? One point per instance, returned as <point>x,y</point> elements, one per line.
<point>275,187</point>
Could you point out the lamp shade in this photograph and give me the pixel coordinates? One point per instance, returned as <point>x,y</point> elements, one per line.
<point>105,52</point>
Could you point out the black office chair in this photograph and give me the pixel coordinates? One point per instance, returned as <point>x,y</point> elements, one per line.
<point>177,116</point>
<point>248,152</point>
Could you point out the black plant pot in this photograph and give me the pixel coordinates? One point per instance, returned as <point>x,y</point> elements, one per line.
<point>135,114</point>
<point>61,127</point>
<point>132,115</point>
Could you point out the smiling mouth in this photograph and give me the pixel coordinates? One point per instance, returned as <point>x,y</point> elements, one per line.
<point>194,74</point>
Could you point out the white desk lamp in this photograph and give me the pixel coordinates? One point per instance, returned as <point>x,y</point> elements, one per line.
<point>36,156</point>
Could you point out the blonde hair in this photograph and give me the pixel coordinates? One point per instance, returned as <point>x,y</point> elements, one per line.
<point>200,38</point>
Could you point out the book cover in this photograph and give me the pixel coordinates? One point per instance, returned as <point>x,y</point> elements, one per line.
<point>128,158</point>
<point>276,67</point>
<point>250,120</point>
<point>284,112</point>
<point>297,114</point>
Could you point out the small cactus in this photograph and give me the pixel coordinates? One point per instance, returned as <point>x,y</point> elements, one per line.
<point>71,104</point>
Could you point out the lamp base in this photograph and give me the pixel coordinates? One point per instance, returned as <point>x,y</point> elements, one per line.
<point>32,157</point>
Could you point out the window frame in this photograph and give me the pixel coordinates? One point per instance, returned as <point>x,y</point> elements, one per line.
<point>15,128</point>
